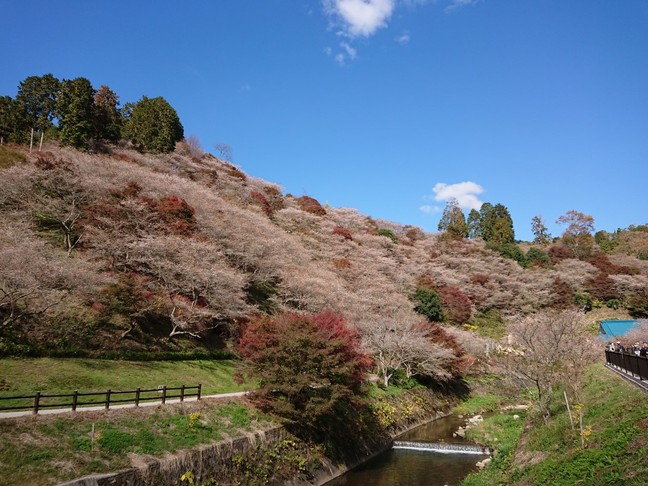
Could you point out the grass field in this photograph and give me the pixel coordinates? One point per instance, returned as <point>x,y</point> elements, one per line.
<point>51,375</point>
<point>53,448</point>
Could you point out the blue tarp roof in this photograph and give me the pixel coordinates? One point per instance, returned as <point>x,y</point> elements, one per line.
<point>614,329</point>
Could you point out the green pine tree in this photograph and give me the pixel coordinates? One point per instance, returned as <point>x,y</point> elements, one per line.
<point>76,113</point>
<point>153,125</point>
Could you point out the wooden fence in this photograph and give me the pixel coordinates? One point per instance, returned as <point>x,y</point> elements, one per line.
<point>40,401</point>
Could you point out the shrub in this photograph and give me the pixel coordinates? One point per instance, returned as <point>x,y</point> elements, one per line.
<point>561,294</point>
<point>274,198</point>
<point>510,251</point>
<point>537,258</point>
<point>310,205</point>
<point>261,200</point>
<point>557,253</point>
<point>637,304</point>
<point>458,366</point>
<point>343,232</point>
<point>428,303</point>
<point>603,263</point>
<point>583,300</point>
<point>48,161</point>
<point>455,304</point>
<point>310,367</point>
<point>388,233</point>
<point>176,213</point>
<point>602,287</point>
<point>260,293</point>
<point>414,233</point>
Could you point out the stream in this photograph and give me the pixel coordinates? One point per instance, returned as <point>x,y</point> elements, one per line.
<point>417,463</point>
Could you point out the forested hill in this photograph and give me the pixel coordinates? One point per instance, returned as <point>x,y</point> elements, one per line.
<point>122,251</point>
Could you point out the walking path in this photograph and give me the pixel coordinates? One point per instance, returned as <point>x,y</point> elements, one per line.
<point>641,384</point>
<point>26,413</point>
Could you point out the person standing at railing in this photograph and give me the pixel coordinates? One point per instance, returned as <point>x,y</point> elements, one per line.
<point>643,350</point>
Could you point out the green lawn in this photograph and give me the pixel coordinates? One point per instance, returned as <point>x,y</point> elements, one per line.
<point>51,375</point>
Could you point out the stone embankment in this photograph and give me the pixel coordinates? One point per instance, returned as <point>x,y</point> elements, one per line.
<point>204,461</point>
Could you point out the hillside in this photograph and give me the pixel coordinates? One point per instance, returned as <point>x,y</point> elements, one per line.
<point>124,252</point>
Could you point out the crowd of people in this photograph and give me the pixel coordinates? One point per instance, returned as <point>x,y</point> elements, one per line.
<point>640,349</point>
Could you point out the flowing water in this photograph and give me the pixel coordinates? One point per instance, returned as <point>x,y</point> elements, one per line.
<point>425,456</point>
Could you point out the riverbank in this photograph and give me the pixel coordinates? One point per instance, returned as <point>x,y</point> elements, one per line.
<point>610,447</point>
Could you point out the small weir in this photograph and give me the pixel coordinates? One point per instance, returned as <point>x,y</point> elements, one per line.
<point>429,455</point>
<point>442,447</point>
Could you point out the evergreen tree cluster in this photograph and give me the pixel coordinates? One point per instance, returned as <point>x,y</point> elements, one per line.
<point>80,116</point>
<point>493,224</point>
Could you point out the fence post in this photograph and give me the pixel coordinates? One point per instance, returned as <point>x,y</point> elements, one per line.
<point>163,394</point>
<point>182,387</point>
<point>137,396</point>
<point>75,398</point>
<point>36,402</point>
<point>199,390</point>
<point>107,399</point>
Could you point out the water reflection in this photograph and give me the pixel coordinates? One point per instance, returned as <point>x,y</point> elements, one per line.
<point>416,468</point>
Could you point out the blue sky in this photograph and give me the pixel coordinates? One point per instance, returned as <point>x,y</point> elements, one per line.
<point>387,106</point>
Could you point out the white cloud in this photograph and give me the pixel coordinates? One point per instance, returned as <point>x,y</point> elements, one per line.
<point>353,19</point>
<point>455,4</point>
<point>350,51</point>
<point>360,17</point>
<point>347,52</point>
<point>464,192</point>
<point>428,209</point>
<point>403,38</point>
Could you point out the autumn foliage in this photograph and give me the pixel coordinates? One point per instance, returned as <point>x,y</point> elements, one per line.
<point>456,306</point>
<point>343,232</point>
<point>193,242</point>
<point>310,367</point>
<point>175,212</point>
<point>311,205</point>
<point>260,200</point>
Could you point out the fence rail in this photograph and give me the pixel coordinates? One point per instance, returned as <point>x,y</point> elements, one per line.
<point>635,365</point>
<point>40,401</point>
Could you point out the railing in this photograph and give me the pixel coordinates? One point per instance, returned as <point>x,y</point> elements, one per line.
<point>637,366</point>
<point>161,394</point>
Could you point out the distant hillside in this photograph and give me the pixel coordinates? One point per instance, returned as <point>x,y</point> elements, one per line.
<point>117,252</point>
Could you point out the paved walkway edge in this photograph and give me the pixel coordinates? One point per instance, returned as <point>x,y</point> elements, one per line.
<point>641,384</point>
